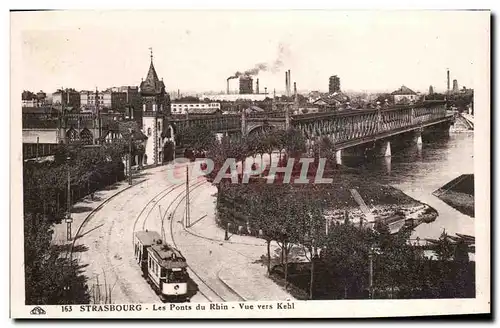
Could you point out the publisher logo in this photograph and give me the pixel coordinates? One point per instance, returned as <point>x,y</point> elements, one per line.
<point>37,311</point>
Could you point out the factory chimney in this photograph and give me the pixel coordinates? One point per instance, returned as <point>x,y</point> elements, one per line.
<point>289,84</point>
<point>178,93</point>
<point>228,85</point>
<point>286,82</point>
<point>257,87</point>
<point>295,93</point>
<point>265,90</point>
<point>447,81</point>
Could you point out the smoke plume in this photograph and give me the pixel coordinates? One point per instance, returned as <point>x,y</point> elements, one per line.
<point>273,67</point>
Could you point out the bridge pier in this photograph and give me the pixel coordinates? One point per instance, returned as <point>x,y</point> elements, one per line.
<point>385,149</point>
<point>387,164</point>
<point>338,157</point>
<point>418,137</point>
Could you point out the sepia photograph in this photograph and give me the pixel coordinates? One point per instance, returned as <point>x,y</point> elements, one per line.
<point>222,164</point>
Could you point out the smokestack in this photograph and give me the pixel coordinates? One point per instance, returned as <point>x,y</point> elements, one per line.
<point>448,81</point>
<point>289,83</point>
<point>286,82</point>
<point>295,89</point>
<point>265,90</point>
<point>228,86</point>
<point>178,93</point>
<point>257,87</point>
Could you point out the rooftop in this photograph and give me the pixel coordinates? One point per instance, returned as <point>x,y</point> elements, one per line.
<point>148,237</point>
<point>152,85</point>
<point>403,91</point>
<point>168,257</point>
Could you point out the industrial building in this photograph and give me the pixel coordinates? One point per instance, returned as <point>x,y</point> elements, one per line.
<point>334,84</point>
<point>246,85</point>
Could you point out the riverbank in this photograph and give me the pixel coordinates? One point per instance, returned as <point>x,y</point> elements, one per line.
<point>350,196</point>
<point>459,194</point>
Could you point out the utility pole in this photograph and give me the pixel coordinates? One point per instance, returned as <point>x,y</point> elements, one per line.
<point>37,147</point>
<point>188,214</point>
<point>69,219</point>
<point>130,158</point>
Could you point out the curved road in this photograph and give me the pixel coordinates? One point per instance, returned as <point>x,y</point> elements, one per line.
<point>158,204</point>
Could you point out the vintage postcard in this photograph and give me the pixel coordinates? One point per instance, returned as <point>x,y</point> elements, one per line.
<point>250,164</point>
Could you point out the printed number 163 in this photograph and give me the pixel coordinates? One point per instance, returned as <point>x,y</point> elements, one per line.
<point>67,308</point>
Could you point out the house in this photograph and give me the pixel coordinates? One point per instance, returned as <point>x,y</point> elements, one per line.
<point>122,131</point>
<point>195,107</point>
<point>404,95</point>
<point>332,100</point>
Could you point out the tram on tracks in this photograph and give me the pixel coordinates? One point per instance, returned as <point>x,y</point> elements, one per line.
<point>162,266</point>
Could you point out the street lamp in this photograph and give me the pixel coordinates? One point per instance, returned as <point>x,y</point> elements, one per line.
<point>69,219</point>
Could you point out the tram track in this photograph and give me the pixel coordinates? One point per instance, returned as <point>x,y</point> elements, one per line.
<point>172,236</point>
<point>209,293</point>
<point>156,200</point>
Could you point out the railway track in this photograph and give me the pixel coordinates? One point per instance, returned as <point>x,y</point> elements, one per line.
<point>198,276</point>
<point>151,205</point>
<point>209,293</point>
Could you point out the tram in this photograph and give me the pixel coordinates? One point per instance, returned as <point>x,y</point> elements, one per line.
<point>162,266</point>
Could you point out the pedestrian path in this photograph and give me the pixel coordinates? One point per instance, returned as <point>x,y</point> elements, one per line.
<point>81,210</point>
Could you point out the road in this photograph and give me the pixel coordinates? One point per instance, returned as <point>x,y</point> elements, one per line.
<point>159,204</point>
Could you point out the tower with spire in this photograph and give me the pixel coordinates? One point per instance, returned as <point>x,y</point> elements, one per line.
<point>155,108</point>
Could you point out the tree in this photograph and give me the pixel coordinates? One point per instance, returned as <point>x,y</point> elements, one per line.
<point>295,143</point>
<point>198,137</point>
<point>49,278</point>
<point>264,211</point>
<point>346,255</point>
<point>383,97</point>
<point>312,235</point>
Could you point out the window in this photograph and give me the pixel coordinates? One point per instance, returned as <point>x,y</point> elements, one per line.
<point>158,126</point>
<point>149,132</point>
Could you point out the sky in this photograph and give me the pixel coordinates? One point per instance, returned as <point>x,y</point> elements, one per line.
<point>195,51</point>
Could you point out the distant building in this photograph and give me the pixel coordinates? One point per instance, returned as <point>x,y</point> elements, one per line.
<point>334,84</point>
<point>246,85</point>
<point>404,94</point>
<point>69,98</point>
<point>195,108</point>
<point>334,100</point>
<point>431,90</point>
<point>314,95</point>
<point>237,97</point>
<point>115,99</point>
<point>465,91</point>
<point>30,99</point>
<point>455,86</point>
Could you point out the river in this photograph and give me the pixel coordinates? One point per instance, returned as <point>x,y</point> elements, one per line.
<point>419,170</point>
